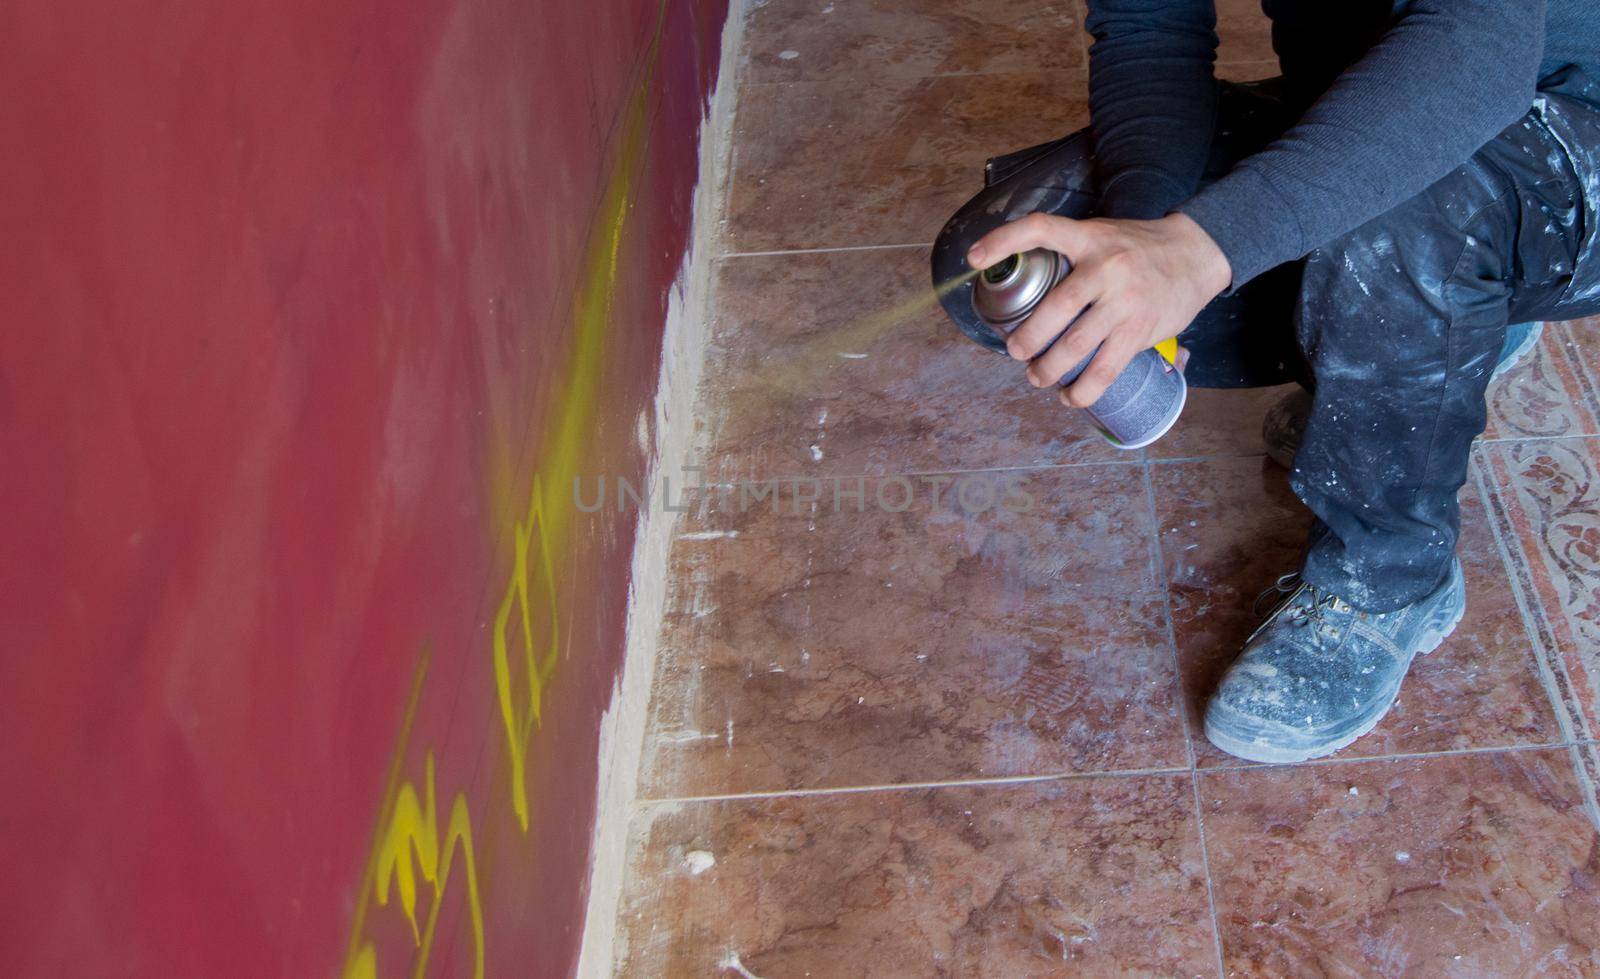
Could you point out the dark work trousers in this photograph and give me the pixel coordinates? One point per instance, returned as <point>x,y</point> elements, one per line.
<point>1394,327</point>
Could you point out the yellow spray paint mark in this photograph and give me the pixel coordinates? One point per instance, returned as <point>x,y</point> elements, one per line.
<point>411,846</point>
<point>519,724</point>
<point>406,840</point>
<point>360,958</point>
<point>531,591</point>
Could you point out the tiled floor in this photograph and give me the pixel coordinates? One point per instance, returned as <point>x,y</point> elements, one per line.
<point>929,706</point>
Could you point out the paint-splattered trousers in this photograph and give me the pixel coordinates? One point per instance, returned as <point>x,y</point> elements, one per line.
<point>1394,327</point>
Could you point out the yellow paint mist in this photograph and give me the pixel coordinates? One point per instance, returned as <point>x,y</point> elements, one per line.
<point>792,373</point>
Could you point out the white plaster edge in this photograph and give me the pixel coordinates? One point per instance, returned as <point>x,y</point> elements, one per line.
<point>685,337</point>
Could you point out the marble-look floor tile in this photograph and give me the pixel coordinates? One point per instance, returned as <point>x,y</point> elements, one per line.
<point>834,649</point>
<point>1248,71</point>
<point>1545,395</point>
<point>1219,423</point>
<point>1230,527</point>
<point>1088,877</point>
<point>1549,493</point>
<point>1244,33</point>
<point>838,163</point>
<point>807,40</point>
<point>1464,865</point>
<point>843,362</point>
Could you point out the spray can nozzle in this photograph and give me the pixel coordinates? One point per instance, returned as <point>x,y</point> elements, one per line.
<point>1001,270</point>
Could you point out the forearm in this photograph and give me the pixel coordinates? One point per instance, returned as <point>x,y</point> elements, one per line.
<point>1444,80</point>
<point>1152,101</point>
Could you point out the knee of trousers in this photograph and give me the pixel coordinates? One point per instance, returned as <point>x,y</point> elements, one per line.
<point>1393,290</point>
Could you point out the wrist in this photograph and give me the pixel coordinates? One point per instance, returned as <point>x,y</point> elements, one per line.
<point>1210,262</point>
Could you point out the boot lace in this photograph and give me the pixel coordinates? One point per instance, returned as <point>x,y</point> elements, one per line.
<point>1314,612</point>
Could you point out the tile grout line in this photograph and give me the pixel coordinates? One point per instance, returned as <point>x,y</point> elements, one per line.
<point>1534,438</point>
<point>963,783</point>
<point>1158,555</point>
<point>1583,757</point>
<point>1000,781</point>
<point>1333,762</point>
<point>843,77</point>
<point>824,250</point>
<point>1159,558</point>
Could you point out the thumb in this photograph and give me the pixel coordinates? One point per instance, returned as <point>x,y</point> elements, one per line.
<point>1033,231</point>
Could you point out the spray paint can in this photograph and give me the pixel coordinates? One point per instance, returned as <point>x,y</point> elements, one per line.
<point>1145,399</point>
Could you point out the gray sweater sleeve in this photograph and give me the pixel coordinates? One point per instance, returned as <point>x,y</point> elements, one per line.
<point>1445,78</point>
<point>1152,101</point>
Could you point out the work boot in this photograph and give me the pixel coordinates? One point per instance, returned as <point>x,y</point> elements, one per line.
<point>1285,425</point>
<point>1317,674</point>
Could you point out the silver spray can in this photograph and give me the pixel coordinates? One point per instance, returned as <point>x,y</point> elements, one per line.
<point>1144,400</point>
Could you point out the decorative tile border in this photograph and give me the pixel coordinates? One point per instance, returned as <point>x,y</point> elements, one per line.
<point>1544,501</point>
<point>1549,396</point>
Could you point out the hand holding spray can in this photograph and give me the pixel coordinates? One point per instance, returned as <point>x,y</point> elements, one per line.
<point>1145,399</point>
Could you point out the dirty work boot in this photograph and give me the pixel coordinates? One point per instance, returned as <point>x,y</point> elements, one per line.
<point>1285,424</point>
<point>1317,674</point>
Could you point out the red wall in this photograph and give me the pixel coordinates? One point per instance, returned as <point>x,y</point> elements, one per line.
<point>298,298</point>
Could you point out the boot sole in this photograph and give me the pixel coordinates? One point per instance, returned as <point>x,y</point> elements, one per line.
<point>1278,754</point>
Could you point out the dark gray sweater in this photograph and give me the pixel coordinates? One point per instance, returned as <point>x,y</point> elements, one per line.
<point>1394,96</point>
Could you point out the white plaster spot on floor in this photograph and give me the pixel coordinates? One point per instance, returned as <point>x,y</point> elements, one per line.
<point>1402,856</point>
<point>709,535</point>
<point>816,453</point>
<point>698,862</point>
<point>687,737</point>
<point>731,963</point>
<point>1354,790</point>
<point>789,55</point>
<point>852,356</point>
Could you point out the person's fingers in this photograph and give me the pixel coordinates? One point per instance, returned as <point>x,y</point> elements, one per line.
<point>1182,360</point>
<point>1114,355</point>
<point>1080,341</point>
<point>1033,231</point>
<point>1064,303</point>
